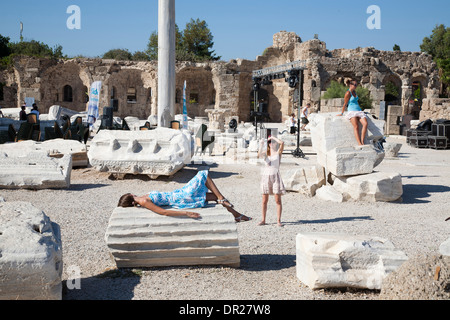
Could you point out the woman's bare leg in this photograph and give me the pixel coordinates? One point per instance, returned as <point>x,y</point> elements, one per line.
<point>265,200</point>
<point>365,125</point>
<point>355,123</point>
<point>279,208</point>
<point>216,195</point>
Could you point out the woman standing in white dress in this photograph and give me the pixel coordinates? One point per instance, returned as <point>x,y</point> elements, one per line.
<point>271,182</point>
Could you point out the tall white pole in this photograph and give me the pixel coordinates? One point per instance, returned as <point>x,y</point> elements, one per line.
<point>166,62</point>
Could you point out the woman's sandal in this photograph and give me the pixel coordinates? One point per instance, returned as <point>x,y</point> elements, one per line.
<point>222,202</point>
<point>239,219</point>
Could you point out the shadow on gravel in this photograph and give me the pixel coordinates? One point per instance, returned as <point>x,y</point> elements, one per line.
<point>83,187</point>
<point>118,285</point>
<point>415,193</point>
<point>267,262</point>
<point>334,220</point>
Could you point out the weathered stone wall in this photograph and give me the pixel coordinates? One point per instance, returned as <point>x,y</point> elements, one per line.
<point>435,109</point>
<point>226,85</point>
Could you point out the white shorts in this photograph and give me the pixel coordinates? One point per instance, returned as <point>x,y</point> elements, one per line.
<point>356,114</point>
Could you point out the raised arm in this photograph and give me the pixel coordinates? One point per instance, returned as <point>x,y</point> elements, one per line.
<point>148,204</point>
<point>280,142</point>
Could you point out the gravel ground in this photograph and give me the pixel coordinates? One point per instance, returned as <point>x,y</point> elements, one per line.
<point>415,225</point>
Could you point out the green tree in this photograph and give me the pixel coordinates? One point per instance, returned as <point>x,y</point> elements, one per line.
<point>335,90</point>
<point>192,44</point>
<point>118,54</point>
<point>35,49</point>
<point>391,92</point>
<point>438,46</point>
<point>198,39</point>
<point>396,48</point>
<point>152,47</point>
<point>4,46</point>
<point>140,56</point>
<point>338,90</point>
<point>365,100</point>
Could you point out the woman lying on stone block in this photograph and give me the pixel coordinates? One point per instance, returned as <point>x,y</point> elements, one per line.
<point>193,195</point>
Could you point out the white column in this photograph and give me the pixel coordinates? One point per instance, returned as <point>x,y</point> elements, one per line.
<point>166,62</point>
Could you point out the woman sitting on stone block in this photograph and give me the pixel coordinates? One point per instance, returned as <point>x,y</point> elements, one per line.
<point>193,195</point>
<point>355,114</point>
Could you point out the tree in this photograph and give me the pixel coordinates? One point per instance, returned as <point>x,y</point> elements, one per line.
<point>4,46</point>
<point>438,46</point>
<point>338,90</point>
<point>391,92</point>
<point>118,54</point>
<point>192,44</point>
<point>140,56</point>
<point>198,39</point>
<point>335,90</point>
<point>396,48</point>
<point>152,47</point>
<point>36,49</point>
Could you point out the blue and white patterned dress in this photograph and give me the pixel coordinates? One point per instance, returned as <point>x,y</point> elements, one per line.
<point>191,196</point>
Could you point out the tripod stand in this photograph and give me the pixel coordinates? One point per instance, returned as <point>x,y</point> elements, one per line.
<point>298,153</point>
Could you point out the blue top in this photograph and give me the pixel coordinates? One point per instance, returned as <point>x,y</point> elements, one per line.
<point>191,196</point>
<point>353,104</point>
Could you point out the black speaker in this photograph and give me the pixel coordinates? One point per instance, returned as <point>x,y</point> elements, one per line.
<point>115,105</point>
<point>107,120</point>
<point>263,107</point>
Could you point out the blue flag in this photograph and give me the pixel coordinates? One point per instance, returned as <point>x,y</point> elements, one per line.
<point>94,100</point>
<point>185,117</point>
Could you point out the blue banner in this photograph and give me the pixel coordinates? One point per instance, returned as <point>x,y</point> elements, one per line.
<point>94,101</point>
<point>185,117</point>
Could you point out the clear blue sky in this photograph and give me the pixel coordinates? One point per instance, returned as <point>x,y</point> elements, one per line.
<point>241,28</point>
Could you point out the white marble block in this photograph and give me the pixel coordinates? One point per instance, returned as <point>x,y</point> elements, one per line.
<point>335,144</point>
<point>54,148</point>
<point>304,180</point>
<point>350,161</point>
<point>159,152</point>
<point>34,170</point>
<point>392,149</point>
<point>30,254</point>
<point>327,260</point>
<point>328,193</point>
<point>137,237</point>
<point>373,187</point>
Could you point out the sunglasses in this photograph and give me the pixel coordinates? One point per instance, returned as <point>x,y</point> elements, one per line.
<point>355,84</point>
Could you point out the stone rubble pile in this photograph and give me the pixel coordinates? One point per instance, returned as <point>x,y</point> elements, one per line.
<point>350,168</point>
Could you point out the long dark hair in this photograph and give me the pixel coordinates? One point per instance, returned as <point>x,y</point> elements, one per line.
<point>127,201</point>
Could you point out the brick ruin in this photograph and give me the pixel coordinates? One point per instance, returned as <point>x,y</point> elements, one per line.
<point>226,85</point>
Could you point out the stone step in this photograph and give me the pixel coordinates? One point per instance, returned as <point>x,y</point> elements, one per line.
<point>137,237</point>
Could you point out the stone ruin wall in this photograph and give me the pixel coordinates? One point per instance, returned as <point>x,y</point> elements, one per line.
<point>226,85</point>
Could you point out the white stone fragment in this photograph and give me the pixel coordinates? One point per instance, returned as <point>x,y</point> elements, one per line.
<point>349,161</point>
<point>30,254</point>
<point>328,193</point>
<point>137,237</point>
<point>54,148</point>
<point>444,248</point>
<point>327,260</point>
<point>34,170</point>
<point>304,180</point>
<point>373,187</point>
<point>392,149</point>
<point>159,152</point>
